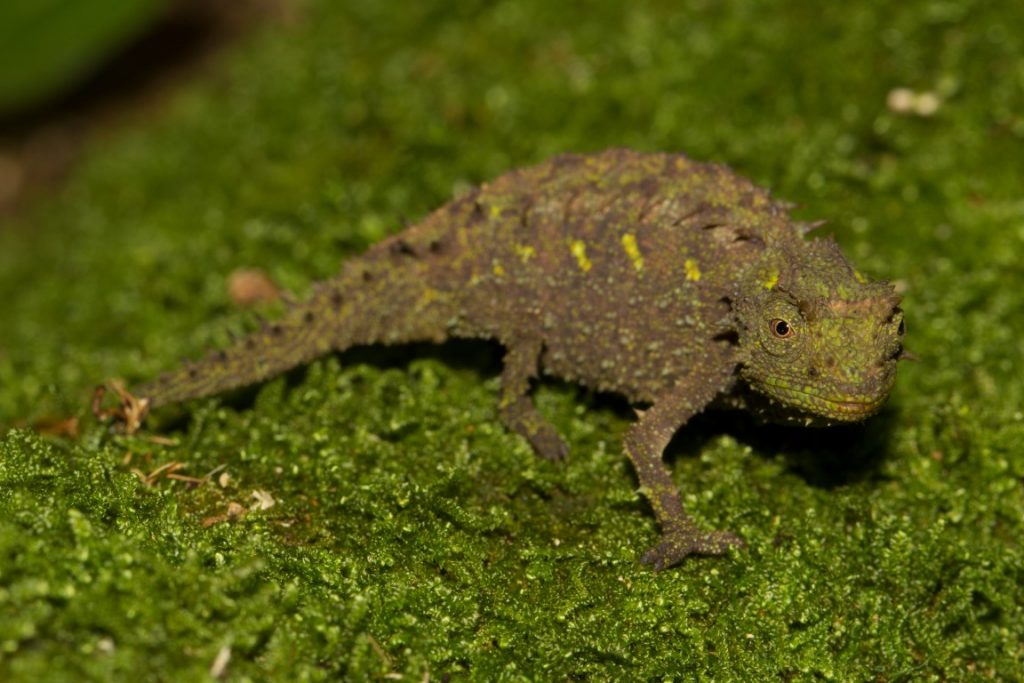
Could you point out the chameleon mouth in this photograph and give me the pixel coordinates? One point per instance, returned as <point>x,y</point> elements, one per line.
<point>821,409</point>
<point>850,410</point>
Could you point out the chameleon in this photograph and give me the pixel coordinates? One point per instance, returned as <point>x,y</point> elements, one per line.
<point>677,284</point>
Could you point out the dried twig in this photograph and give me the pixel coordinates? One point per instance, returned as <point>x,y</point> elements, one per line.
<point>128,415</point>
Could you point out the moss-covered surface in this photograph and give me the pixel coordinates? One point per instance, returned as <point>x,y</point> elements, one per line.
<point>410,533</point>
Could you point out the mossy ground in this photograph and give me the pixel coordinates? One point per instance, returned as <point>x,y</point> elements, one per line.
<point>411,534</point>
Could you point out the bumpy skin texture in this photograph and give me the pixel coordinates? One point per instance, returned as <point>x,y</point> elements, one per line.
<point>674,283</point>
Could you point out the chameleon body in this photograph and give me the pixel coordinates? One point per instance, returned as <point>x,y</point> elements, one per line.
<point>674,283</point>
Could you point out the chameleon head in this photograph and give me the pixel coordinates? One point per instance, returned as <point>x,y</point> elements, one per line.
<point>817,339</point>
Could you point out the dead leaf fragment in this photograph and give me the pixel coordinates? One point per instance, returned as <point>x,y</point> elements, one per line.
<point>234,511</point>
<point>55,426</point>
<point>220,662</point>
<point>211,520</point>
<point>128,415</point>
<point>906,101</point>
<point>251,286</point>
<point>264,501</point>
<point>168,470</point>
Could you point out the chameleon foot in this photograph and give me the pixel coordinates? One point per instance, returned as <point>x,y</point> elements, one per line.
<point>679,541</point>
<point>547,443</point>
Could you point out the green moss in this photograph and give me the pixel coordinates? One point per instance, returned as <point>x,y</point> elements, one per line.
<point>410,533</point>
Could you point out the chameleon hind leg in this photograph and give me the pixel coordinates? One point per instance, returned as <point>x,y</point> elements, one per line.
<point>518,411</point>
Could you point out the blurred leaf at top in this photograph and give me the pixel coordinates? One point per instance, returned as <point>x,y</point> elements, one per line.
<point>47,46</point>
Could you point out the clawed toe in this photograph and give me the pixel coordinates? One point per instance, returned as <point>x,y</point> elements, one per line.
<point>678,543</point>
<point>548,444</point>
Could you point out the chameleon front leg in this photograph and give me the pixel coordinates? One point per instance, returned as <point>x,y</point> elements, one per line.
<point>644,444</point>
<point>518,412</point>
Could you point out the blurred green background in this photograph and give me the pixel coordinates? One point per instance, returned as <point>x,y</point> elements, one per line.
<point>48,45</point>
<point>368,517</point>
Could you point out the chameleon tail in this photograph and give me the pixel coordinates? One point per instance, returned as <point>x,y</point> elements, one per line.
<point>302,334</point>
<point>369,303</point>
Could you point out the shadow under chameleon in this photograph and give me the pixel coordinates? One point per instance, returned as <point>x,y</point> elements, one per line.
<point>825,457</point>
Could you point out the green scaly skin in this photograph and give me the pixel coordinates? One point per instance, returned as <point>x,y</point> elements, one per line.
<point>674,283</point>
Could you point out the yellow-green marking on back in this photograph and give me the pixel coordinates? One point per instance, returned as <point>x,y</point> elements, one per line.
<point>633,251</point>
<point>579,250</point>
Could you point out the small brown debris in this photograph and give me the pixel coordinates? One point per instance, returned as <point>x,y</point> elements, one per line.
<point>211,520</point>
<point>56,426</point>
<point>220,662</point>
<point>234,511</point>
<point>128,415</point>
<point>251,286</point>
<point>264,501</point>
<point>168,470</point>
<point>379,650</point>
<point>12,176</point>
<point>187,479</point>
<point>906,101</point>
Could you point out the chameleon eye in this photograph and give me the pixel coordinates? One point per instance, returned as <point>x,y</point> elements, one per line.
<point>780,328</point>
